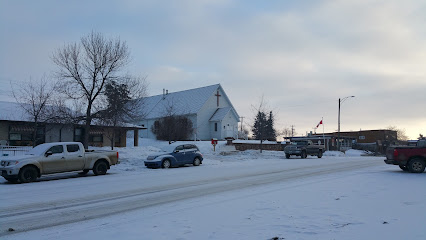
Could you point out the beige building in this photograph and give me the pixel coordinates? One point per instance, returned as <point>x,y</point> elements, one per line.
<point>16,129</point>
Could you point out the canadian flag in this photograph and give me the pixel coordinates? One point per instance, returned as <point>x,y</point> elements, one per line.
<point>319,123</point>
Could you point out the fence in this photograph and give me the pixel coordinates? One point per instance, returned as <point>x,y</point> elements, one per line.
<point>257,146</point>
<point>13,150</point>
<point>372,147</point>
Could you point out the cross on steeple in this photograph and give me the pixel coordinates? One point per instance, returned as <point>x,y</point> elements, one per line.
<point>218,95</point>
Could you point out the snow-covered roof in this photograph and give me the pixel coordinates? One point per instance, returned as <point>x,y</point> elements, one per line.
<point>12,111</point>
<point>178,103</point>
<point>220,114</point>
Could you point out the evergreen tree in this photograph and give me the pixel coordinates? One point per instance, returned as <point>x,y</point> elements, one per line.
<point>271,134</point>
<point>260,126</point>
<point>118,109</point>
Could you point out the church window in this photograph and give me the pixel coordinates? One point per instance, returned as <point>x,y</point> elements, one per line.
<point>215,127</point>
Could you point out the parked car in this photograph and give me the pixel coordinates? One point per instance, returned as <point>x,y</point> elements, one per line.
<point>303,149</point>
<point>56,157</point>
<point>408,158</point>
<point>175,156</point>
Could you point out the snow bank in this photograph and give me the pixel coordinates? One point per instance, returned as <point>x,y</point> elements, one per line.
<point>348,153</point>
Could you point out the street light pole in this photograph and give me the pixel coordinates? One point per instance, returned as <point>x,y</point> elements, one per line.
<point>338,121</point>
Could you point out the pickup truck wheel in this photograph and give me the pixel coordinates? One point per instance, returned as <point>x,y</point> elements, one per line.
<point>166,163</point>
<point>320,154</point>
<point>28,174</point>
<point>287,155</point>
<point>100,168</point>
<point>416,165</point>
<point>197,161</point>
<point>303,155</point>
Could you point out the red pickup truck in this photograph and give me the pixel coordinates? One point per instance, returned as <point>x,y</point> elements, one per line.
<point>409,158</point>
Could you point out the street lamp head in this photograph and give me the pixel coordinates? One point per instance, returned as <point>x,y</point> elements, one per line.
<point>343,99</point>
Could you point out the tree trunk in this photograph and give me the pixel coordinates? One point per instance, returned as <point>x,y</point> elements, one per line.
<point>87,126</point>
<point>35,132</point>
<point>112,139</point>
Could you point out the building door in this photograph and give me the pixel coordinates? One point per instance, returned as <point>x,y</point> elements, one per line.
<point>229,131</point>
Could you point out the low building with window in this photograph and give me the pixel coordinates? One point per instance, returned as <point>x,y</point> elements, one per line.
<point>17,129</point>
<point>372,140</point>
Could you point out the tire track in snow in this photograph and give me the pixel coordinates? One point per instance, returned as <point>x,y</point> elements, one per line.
<point>39,216</point>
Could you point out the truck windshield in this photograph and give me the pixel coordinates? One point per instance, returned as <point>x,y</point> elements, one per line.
<point>38,150</point>
<point>300,143</point>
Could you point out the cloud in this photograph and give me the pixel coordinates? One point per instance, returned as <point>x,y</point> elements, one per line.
<point>303,56</point>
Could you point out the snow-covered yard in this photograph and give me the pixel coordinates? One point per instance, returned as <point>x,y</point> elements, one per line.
<point>239,195</point>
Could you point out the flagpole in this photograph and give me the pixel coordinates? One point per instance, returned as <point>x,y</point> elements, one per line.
<point>323,136</point>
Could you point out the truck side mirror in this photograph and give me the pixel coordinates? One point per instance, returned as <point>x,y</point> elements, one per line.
<point>48,153</point>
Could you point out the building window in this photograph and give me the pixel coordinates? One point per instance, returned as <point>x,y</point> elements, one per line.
<point>215,127</point>
<point>78,135</point>
<point>96,138</point>
<point>361,137</point>
<point>117,137</point>
<point>15,136</point>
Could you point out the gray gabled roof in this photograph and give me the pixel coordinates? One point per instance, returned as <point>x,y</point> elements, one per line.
<point>12,111</point>
<point>220,114</point>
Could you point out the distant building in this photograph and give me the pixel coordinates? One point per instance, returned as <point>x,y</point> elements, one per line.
<point>328,140</point>
<point>209,109</point>
<point>16,129</point>
<point>373,140</point>
<point>373,136</point>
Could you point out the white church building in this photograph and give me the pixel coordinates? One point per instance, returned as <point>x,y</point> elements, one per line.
<point>209,109</point>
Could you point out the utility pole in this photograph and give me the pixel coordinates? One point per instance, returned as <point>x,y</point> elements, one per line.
<point>338,121</point>
<point>242,118</point>
<point>292,130</point>
<point>241,132</point>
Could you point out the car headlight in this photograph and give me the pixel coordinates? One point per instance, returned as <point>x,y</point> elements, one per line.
<point>8,163</point>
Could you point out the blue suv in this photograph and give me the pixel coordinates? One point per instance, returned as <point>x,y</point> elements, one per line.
<point>175,156</point>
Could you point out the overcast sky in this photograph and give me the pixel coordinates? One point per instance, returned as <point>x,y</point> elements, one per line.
<point>301,56</point>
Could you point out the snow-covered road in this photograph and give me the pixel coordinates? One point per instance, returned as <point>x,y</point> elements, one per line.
<point>245,195</point>
<point>101,196</point>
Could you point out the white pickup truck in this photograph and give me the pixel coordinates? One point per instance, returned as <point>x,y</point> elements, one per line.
<point>55,157</point>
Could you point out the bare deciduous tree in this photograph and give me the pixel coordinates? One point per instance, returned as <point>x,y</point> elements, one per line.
<point>400,133</point>
<point>84,68</point>
<point>286,133</point>
<point>174,126</point>
<point>34,98</point>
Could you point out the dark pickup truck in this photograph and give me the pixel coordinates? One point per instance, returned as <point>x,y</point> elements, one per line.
<point>303,149</point>
<point>408,158</point>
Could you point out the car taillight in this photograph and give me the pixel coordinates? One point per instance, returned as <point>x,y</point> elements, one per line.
<point>395,153</point>
<point>117,155</point>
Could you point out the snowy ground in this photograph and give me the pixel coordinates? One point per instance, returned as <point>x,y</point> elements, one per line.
<point>233,195</point>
